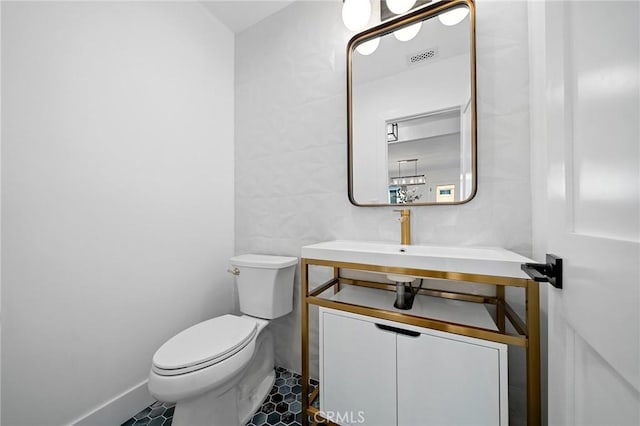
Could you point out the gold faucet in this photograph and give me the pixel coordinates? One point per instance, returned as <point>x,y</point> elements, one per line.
<point>405,226</point>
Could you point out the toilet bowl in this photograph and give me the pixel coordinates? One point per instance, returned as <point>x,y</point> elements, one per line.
<point>219,371</point>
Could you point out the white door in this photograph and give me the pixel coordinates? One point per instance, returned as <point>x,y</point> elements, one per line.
<point>439,375</point>
<point>585,98</point>
<point>357,371</point>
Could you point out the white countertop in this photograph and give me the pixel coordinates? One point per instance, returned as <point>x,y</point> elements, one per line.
<point>471,260</point>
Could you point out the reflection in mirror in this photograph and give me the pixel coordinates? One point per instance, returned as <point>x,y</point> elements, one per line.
<point>412,109</point>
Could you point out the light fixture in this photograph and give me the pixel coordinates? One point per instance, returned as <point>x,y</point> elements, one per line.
<point>356,14</point>
<point>392,132</point>
<point>400,6</point>
<point>407,33</point>
<point>454,16</point>
<point>368,47</point>
<point>408,180</point>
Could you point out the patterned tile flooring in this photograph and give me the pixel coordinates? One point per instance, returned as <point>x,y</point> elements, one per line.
<point>282,407</point>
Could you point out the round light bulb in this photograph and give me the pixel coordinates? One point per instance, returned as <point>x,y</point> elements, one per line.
<point>453,17</point>
<point>407,33</point>
<point>356,14</point>
<point>400,6</point>
<point>368,47</point>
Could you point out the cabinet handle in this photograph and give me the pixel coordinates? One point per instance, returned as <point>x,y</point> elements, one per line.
<point>397,330</point>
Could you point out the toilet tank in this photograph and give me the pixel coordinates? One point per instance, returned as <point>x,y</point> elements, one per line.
<point>265,284</point>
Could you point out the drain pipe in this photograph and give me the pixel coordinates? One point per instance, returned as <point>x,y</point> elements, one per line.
<point>400,296</point>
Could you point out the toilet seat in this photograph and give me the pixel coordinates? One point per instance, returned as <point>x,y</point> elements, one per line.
<point>203,345</point>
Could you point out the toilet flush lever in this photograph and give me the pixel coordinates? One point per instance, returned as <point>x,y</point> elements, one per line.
<point>234,271</point>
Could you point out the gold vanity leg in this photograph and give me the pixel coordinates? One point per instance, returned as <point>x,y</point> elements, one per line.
<point>500,312</point>
<point>304,269</point>
<point>533,354</point>
<point>336,274</point>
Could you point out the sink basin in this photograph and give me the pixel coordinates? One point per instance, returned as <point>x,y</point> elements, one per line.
<point>470,260</point>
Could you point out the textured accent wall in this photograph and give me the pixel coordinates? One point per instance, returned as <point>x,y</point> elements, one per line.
<point>291,145</point>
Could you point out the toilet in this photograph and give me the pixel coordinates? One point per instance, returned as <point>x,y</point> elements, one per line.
<point>219,371</point>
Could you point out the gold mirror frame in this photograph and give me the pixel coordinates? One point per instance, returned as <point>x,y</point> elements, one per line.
<point>420,14</point>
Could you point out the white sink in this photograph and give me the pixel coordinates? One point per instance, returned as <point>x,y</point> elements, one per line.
<point>471,260</point>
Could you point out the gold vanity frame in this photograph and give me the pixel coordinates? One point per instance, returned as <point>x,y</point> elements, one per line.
<point>528,331</point>
<point>418,14</point>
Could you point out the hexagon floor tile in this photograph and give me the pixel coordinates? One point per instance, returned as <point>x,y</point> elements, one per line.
<point>280,408</point>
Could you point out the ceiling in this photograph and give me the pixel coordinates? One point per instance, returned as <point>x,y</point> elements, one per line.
<point>239,15</point>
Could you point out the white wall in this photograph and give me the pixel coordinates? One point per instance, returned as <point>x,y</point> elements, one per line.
<point>117,205</point>
<point>436,178</point>
<point>291,146</point>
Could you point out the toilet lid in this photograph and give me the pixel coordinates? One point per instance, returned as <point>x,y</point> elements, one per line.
<point>263,261</point>
<point>204,344</point>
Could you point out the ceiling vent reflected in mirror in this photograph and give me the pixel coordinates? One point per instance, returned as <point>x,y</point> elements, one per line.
<point>421,57</point>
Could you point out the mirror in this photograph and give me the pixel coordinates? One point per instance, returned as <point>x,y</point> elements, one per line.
<point>412,108</point>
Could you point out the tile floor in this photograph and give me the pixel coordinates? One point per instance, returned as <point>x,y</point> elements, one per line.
<point>281,407</point>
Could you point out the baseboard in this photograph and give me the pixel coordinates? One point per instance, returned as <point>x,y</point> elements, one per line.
<point>119,409</point>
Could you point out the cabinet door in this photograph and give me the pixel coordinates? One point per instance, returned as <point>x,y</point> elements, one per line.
<point>445,382</point>
<point>358,371</point>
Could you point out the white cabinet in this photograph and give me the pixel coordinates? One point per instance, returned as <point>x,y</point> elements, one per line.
<point>358,371</point>
<point>379,372</point>
<point>446,381</point>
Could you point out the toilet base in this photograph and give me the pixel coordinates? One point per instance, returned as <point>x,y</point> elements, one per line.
<point>237,404</point>
<point>250,406</point>
<point>208,409</point>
